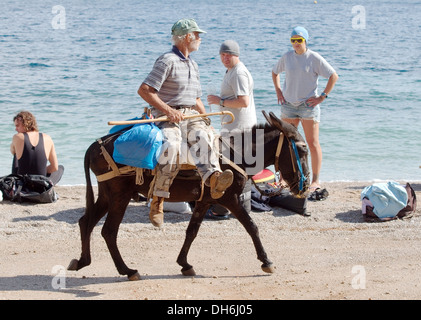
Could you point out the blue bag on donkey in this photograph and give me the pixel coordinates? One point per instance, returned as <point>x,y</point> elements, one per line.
<point>139,146</point>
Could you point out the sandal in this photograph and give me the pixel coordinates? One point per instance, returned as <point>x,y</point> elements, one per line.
<point>318,195</point>
<point>212,216</point>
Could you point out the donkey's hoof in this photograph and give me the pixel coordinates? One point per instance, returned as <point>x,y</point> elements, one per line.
<point>134,277</point>
<point>188,273</point>
<point>73,265</point>
<point>268,268</point>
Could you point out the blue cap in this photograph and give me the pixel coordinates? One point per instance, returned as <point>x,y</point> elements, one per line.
<point>300,31</point>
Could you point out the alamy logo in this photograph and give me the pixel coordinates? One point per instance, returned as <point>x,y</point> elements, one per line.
<point>59,20</point>
<point>59,280</point>
<point>358,21</point>
<point>360,279</point>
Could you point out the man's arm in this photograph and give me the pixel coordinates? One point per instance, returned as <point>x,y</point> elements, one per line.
<point>239,102</point>
<point>150,95</point>
<point>200,107</point>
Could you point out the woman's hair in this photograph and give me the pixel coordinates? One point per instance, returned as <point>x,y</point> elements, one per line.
<point>28,120</point>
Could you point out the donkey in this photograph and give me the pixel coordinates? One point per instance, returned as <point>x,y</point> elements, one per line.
<point>283,147</point>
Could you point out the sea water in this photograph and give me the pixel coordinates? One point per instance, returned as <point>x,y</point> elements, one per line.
<point>78,64</point>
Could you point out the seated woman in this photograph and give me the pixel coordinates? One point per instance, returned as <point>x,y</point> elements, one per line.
<point>33,149</point>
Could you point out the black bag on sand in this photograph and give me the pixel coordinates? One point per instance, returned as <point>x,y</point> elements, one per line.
<point>284,199</point>
<point>29,187</point>
<point>287,201</point>
<point>406,212</point>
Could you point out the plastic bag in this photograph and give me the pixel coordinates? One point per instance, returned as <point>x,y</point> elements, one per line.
<point>139,147</point>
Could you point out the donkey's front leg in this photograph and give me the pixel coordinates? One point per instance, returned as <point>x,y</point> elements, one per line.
<point>191,233</point>
<point>252,229</point>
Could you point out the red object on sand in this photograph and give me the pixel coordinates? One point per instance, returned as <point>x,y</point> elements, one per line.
<point>264,176</point>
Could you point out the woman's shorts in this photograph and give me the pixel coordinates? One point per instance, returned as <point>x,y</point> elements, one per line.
<point>302,111</point>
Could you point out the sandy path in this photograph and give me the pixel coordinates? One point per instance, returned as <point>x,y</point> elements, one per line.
<point>333,254</point>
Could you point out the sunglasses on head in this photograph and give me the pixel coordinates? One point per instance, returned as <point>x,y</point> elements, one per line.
<point>299,40</point>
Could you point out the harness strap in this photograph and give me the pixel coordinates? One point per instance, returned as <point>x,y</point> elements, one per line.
<point>278,151</point>
<point>228,161</point>
<point>291,153</point>
<point>297,158</point>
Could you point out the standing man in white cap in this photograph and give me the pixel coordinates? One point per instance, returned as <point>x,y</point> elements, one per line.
<point>299,99</point>
<point>237,97</point>
<point>173,89</point>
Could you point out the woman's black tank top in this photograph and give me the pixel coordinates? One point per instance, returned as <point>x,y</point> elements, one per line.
<point>33,160</point>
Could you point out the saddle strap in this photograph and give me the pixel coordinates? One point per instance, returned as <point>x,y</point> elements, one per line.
<point>225,159</point>
<point>115,171</point>
<point>126,170</point>
<point>107,157</point>
<point>233,165</point>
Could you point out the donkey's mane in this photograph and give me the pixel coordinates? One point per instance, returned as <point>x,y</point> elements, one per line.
<point>267,127</point>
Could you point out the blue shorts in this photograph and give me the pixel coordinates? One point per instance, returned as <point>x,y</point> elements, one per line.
<point>302,111</point>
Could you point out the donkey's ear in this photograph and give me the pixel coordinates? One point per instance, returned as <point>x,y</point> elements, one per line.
<point>268,119</point>
<point>288,129</point>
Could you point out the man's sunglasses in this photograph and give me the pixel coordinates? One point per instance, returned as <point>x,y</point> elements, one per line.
<point>294,40</point>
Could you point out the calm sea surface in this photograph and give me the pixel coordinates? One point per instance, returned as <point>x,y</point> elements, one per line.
<point>79,65</point>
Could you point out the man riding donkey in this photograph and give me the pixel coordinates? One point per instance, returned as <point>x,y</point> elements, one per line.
<point>173,89</point>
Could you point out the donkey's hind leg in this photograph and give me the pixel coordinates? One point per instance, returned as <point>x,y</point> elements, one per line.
<point>191,233</point>
<point>86,224</point>
<point>109,231</point>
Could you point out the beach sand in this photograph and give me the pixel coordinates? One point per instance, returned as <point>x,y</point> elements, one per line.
<point>333,254</point>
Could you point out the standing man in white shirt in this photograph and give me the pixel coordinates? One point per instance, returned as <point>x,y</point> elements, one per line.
<point>237,97</point>
<point>236,89</point>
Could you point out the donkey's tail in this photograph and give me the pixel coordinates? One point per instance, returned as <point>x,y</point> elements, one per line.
<point>89,190</point>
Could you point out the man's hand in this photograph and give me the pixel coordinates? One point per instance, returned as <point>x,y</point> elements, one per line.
<point>174,115</point>
<point>212,99</point>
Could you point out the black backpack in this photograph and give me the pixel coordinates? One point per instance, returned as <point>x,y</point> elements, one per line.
<point>28,187</point>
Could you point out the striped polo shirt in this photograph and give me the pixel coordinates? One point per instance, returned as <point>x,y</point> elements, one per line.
<point>176,78</point>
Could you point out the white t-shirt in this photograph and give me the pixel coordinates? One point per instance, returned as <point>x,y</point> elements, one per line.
<point>238,82</point>
<point>301,74</point>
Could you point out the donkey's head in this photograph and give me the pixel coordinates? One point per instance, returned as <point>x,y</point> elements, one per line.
<point>292,160</point>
